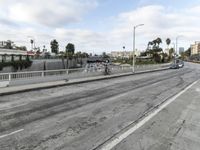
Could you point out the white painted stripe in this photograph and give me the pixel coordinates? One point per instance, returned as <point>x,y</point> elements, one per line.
<point>5,135</point>
<point>124,135</point>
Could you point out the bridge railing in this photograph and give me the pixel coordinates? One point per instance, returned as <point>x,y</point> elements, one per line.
<point>75,73</point>
<point>31,74</point>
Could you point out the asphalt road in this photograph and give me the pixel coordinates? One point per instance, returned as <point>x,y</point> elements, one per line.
<point>83,116</point>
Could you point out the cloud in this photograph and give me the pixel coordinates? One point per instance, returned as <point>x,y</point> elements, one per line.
<point>85,40</point>
<point>8,22</point>
<point>160,21</point>
<point>51,13</point>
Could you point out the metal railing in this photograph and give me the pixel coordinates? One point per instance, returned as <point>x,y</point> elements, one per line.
<point>31,74</point>
<point>75,73</point>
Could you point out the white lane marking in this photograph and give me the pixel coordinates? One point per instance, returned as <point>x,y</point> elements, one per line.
<point>5,135</point>
<point>124,135</point>
<point>13,107</point>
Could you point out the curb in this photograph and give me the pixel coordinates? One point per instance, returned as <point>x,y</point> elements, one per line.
<point>66,83</point>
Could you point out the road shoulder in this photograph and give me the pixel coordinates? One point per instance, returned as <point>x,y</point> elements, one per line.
<point>176,127</point>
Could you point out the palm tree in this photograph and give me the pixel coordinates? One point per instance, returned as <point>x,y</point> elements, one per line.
<point>159,41</point>
<point>150,44</point>
<point>168,41</point>
<point>54,46</point>
<point>32,41</point>
<point>171,51</point>
<point>154,43</point>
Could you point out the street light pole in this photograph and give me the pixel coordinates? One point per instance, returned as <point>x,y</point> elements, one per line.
<point>177,44</point>
<point>174,51</point>
<point>133,67</point>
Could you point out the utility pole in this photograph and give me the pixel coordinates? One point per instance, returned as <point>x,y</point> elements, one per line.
<point>134,28</point>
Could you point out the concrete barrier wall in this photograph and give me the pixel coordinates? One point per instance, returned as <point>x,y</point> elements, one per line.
<point>48,64</point>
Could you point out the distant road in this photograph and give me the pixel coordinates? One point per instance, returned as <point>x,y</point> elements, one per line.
<point>83,116</point>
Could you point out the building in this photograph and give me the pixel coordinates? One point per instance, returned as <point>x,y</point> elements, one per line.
<point>3,44</point>
<point>181,50</point>
<point>195,48</point>
<point>7,55</point>
<point>123,54</point>
<point>8,52</point>
<point>137,53</point>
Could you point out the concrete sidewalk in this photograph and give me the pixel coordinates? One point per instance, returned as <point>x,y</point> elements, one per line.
<point>38,86</point>
<point>175,127</point>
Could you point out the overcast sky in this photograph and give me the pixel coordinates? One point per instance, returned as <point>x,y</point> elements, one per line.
<point>96,26</point>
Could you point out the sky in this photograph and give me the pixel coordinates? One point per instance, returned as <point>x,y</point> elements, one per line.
<point>97,26</point>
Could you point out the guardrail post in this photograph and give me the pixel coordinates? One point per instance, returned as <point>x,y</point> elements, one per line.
<point>42,73</point>
<point>9,77</point>
<point>67,71</point>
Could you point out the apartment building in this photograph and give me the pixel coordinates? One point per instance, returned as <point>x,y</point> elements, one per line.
<point>195,48</point>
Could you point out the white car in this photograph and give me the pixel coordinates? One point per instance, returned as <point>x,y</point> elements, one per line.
<point>180,63</point>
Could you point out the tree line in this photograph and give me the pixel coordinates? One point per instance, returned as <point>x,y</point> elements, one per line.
<point>156,52</point>
<point>69,50</point>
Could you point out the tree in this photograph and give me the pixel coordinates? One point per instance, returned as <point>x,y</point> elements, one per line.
<point>70,48</point>
<point>54,46</point>
<point>104,55</point>
<point>44,49</point>
<point>154,42</point>
<point>150,44</point>
<point>159,41</point>
<point>85,55</point>
<point>32,41</point>
<point>143,54</point>
<point>182,55</point>
<point>23,48</point>
<point>9,45</point>
<point>157,58</point>
<point>171,51</point>
<point>78,55</point>
<point>188,52</point>
<point>168,41</point>
<point>154,49</point>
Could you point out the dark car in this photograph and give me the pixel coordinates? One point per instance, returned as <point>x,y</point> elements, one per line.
<point>177,64</point>
<point>180,63</point>
<point>174,66</point>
